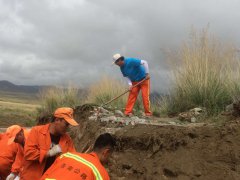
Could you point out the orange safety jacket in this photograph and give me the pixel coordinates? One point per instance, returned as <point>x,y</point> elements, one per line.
<point>36,147</point>
<point>17,165</point>
<point>76,166</point>
<point>7,156</point>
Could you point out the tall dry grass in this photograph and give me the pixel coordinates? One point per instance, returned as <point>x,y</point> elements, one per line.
<point>233,76</point>
<point>203,72</point>
<point>55,97</point>
<point>106,89</point>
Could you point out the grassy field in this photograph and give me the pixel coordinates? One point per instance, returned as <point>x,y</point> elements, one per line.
<point>18,108</point>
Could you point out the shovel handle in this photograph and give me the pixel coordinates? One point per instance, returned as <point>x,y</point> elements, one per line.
<point>123,93</point>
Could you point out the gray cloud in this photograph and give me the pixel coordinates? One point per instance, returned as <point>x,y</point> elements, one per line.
<point>61,41</point>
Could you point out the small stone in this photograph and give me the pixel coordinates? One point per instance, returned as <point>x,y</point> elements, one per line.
<point>112,118</point>
<point>134,118</point>
<point>119,113</point>
<point>105,119</point>
<point>193,120</point>
<point>140,121</point>
<point>93,118</point>
<point>172,123</point>
<point>102,110</point>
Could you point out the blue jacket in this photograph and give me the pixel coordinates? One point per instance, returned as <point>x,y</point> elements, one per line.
<point>133,69</point>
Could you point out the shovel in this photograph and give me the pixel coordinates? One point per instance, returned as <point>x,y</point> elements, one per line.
<point>108,102</point>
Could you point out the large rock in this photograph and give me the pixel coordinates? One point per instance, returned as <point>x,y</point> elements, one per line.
<point>191,115</point>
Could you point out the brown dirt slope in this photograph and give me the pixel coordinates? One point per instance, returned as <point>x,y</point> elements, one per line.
<point>168,152</point>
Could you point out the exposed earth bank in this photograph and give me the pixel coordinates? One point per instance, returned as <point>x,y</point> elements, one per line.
<point>167,151</point>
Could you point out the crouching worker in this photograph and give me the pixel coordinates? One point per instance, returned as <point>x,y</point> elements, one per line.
<point>46,142</point>
<point>20,139</point>
<point>8,150</point>
<point>78,166</point>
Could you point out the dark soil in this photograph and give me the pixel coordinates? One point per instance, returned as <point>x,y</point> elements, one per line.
<point>167,152</point>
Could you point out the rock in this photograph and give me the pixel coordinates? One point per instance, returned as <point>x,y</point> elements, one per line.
<point>104,119</point>
<point>185,116</point>
<point>141,121</point>
<point>172,123</point>
<point>93,118</point>
<point>112,118</point>
<point>118,119</point>
<point>196,111</point>
<point>134,118</point>
<point>190,115</point>
<point>193,119</point>
<point>133,123</point>
<point>119,113</point>
<point>102,110</point>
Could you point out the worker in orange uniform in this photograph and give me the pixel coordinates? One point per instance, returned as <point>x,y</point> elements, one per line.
<point>8,150</point>
<point>46,142</point>
<point>135,70</point>
<point>20,139</point>
<point>79,166</point>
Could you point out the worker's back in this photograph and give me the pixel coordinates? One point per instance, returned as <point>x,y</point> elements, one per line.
<point>77,166</point>
<point>7,156</point>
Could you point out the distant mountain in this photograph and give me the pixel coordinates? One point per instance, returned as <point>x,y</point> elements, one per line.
<point>10,87</point>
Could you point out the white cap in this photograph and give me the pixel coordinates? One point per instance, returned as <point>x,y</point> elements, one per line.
<point>116,57</point>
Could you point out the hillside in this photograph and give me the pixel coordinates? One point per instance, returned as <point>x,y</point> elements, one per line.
<point>7,86</point>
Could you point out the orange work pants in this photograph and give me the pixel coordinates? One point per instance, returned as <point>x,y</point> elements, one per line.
<point>133,94</point>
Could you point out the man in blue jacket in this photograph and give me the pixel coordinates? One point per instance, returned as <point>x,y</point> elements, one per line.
<point>135,70</point>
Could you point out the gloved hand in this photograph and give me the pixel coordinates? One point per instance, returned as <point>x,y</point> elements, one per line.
<point>56,149</point>
<point>11,176</point>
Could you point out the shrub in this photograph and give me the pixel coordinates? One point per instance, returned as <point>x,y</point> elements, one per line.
<point>54,97</point>
<point>201,74</point>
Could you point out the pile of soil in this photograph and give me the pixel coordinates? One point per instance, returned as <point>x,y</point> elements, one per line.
<point>167,151</point>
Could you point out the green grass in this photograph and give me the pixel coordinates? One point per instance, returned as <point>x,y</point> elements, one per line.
<point>19,97</point>
<point>18,109</point>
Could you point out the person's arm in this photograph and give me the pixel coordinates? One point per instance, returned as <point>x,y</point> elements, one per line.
<point>17,165</point>
<point>145,65</point>
<point>129,81</point>
<point>31,149</point>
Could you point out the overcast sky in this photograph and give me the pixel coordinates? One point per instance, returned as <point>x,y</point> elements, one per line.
<point>54,42</point>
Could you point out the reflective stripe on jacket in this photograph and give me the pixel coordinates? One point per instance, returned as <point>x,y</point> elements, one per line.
<point>76,166</point>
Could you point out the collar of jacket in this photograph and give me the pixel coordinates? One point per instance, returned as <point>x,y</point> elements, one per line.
<point>45,129</point>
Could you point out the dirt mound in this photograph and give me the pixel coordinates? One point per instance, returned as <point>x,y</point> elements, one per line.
<point>170,152</point>
<point>167,151</point>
